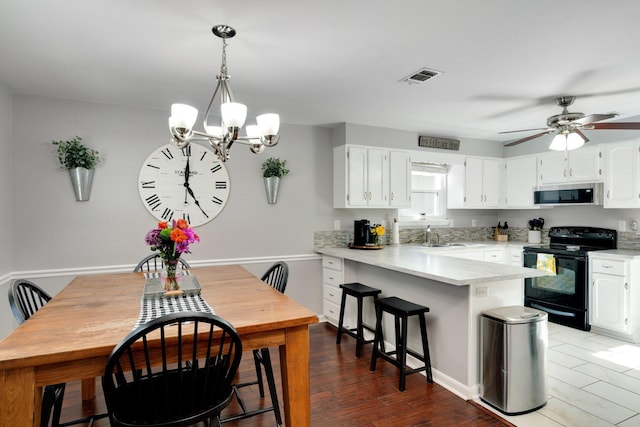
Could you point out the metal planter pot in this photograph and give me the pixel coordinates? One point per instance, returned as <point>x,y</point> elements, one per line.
<point>271,185</point>
<point>81,180</point>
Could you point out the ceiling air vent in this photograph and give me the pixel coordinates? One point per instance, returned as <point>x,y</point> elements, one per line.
<point>420,76</point>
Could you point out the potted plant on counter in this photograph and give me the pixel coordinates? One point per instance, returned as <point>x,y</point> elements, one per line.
<point>80,161</point>
<point>272,170</point>
<point>535,230</point>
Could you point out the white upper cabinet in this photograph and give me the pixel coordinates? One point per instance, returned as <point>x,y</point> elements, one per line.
<point>621,188</point>
<point>370,177</point>
<point>519,181</point>
<point>399,179</point>
<point>482,182</point>
<point>559,167</point>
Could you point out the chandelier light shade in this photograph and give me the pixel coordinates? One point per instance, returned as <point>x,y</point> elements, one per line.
<point>566,141</point>
<point>233,116</point>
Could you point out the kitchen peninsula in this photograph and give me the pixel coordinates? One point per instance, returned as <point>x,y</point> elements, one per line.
<point>455,289</point>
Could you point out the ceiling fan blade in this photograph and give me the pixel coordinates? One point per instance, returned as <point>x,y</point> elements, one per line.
<point>579,132</point>
<point>614,125</point>
<point>592,118</point>
<point>520,141</point>
<point>523,130</point>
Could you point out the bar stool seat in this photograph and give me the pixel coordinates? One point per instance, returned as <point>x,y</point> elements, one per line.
<point>358,291</point>
<point>401,311</point>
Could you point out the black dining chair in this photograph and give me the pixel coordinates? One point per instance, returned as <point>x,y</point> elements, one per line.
<point>25,299</point>
<point>277,276</point>
<point>154,262</point>
<point>176,370</point>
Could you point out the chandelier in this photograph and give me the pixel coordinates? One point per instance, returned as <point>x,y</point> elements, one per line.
<point>233,114</point>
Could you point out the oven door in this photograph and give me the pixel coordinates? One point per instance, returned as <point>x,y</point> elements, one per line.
<point>563,296</point>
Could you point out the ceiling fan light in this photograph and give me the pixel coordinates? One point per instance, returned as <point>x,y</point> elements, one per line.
<point>574,141</point>
<point>233,114</point>
<point>559,143</point>
<point>183,116</point>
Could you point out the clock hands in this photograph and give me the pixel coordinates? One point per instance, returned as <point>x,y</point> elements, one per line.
<point>187,172</point>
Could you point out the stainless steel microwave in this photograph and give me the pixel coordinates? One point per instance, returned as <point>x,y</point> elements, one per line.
<point>570,194</point>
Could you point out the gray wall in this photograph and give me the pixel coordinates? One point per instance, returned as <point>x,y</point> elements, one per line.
<point>5,181</point>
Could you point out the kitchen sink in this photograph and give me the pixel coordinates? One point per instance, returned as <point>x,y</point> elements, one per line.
<point>443,245</point>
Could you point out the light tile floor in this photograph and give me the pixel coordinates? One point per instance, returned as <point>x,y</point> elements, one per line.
<point>593,380</point>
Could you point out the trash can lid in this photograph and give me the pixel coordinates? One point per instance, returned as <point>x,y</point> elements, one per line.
<point>516,314</point>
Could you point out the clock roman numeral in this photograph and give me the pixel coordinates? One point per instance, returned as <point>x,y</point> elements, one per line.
<point>167,153</point>
<point>216,201</point>
<point>186,151</point>
<point>186,217</point>
<point>148,184</point>
<point>203,155</point>
<point>153,166</point>
<point>216,168</point>
<point>221,185</point>
<point>167,214</point>
<point>153,201</point>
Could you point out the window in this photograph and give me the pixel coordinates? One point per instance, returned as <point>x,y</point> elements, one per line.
<point>428,191</point>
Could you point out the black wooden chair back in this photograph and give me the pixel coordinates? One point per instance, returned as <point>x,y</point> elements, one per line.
<point>183,379</point>
<point>277,276</point>
<point>154,262</point>
<point>25,298</point>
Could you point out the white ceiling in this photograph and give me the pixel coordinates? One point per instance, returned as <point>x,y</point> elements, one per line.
<point>323,62</point>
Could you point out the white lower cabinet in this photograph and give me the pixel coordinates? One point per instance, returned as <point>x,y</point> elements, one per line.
<point>332,278</point>
<point>514,256</point>
<point>612,309</point>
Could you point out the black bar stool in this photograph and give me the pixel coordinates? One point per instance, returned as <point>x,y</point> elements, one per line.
<point>401,310</point>
<point>359,292</point>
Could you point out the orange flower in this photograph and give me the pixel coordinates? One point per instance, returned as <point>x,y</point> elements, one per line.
<point>182,224</point>
<point>162,225</point>
<point>178,235</point>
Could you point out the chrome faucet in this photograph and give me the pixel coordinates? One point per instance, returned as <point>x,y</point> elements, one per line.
<point>428,237</point>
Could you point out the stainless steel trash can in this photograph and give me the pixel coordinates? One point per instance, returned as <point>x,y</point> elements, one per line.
<point>513,349</point>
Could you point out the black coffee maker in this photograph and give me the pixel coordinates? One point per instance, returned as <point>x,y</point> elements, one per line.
<point>362,233</point>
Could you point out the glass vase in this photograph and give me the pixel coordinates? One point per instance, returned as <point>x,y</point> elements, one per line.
<point>171,275</point>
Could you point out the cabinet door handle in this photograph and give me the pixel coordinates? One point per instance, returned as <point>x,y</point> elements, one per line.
<point>571,172</point>
<point>564,173</point>
<point>330,277</point>
<point>608,192</point>
<point>607,266</point>
<point>626,285</point>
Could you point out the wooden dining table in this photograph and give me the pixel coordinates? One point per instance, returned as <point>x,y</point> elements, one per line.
<point>71,337</point>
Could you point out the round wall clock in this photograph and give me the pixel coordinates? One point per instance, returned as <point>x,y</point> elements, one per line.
<point>189,183</point>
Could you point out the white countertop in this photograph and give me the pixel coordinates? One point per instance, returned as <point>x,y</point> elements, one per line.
<point>430,263</point>
<point>617,253</point>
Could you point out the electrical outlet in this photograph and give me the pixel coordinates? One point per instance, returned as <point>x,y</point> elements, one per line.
<point>634,225</point>
<point>336,224</point>
<point>482,291</point>
<point>474,222</point>
<point>622,225</point>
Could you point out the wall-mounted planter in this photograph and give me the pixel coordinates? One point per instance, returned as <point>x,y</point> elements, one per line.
<point>81,180</point>
<point>271,186</point>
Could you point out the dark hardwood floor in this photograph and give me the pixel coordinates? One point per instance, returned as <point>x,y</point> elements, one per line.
<point>343,393</point>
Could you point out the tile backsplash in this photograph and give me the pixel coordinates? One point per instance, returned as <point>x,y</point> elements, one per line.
<point>342,238</point>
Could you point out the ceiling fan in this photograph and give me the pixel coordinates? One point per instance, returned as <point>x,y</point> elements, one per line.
<point>567,123</point>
